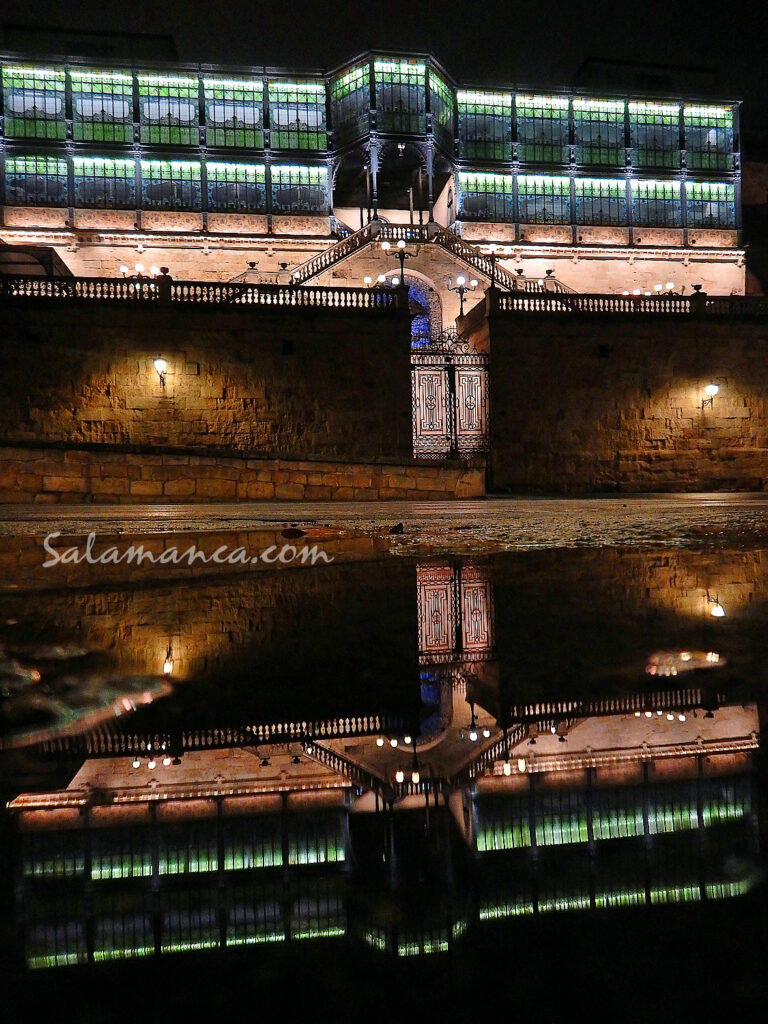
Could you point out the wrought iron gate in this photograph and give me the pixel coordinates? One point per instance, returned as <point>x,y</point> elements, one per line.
<point>450,400</point>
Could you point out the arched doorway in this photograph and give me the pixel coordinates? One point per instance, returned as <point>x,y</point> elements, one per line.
<point>425,307</point>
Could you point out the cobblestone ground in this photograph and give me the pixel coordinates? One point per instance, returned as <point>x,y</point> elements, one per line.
<point>493,524</point>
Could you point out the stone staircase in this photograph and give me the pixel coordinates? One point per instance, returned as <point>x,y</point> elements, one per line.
<point>377,231</point>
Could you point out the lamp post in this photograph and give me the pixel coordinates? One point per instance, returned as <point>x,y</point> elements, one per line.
<point>461,288</point>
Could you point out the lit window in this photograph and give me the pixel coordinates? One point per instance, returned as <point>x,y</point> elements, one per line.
<point>234,113</point>
<point>400,96</point>
<point>34,103</point>
<point>599,131</point>
<point>105,183</point>
<point>543,200</point>
<point>600,201</point>
<point>654,130</point>
<point>542,129</point>
<point>350,102</point>
<point>656,203</point>
<point>168,109</point>
<point>710,205</point>
<point>36,181</point>
<point>236,187</point>
<point>709,137</point>
<point>170,184</point>
<point>297,115</point>
<point>486,197</point>
<point>299,189</point>
<point>485,126</point>
<point>102,106</point>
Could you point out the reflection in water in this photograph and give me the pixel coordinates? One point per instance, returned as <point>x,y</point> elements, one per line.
<point>515,741</point>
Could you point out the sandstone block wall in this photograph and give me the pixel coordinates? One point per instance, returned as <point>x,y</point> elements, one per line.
<point>285,384</point>
<point>55,475</point>
<point>614,403</point>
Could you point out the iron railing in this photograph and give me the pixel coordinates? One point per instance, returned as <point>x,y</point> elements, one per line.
<point>697,304</point>
<point>111,742</point>
<point>217,293</point>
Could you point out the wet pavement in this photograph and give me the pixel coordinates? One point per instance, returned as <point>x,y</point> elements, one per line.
<point>487,525</point>
<point>522,756</point>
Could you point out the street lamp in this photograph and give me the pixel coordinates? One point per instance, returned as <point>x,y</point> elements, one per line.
<point>461,288</point>
<point>402,255</point>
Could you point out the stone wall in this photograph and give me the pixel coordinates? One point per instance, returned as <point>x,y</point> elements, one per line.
<point>614,403</point>
<point>53,475</point>
<point>282,383</point>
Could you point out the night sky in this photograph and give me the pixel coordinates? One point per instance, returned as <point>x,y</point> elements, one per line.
<point>541,44</point>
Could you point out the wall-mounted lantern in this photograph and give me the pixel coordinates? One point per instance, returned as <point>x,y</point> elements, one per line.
<point>168,663</point>
<point>710,391</point>
<point>161,366</point>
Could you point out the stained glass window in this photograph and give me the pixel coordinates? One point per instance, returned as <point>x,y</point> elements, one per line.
<point>601,201</point>
<point>104,182</point>
<point>189,919</point>
<point>254,914</point>
<point>299,189</point>
<point>486,196</point>
<point>297,115</point>
<point>236,186</point>
<point>442,104</point>
<point>485,126</point>
<point>168,110</point>
<point>34,103</point>
<point>544,200</point>
<point>170,184</point>
<point>234,113</point>
<point>656,204</point>
<point>542,128</point>
<point>400,96</point>
<point>102,106</point>
<point>710,205</point>
<point>350,102</point>
<point>599,131</point>
<point>654,130</point>
<point>36,181</point>
<point>122,926</point>
<point>709,137</point>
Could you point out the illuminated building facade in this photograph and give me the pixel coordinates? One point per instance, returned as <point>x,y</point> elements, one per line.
<point>203,169</point>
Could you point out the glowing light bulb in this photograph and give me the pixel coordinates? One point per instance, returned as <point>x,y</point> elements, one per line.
<point>385,246</point>
<point>381,279</point>
<point>685,655</point>
<point>681,718</point>
<point>123,269</point>
<point>401,243</point>
<point>637,714</point>
<point>473,283</point>
<point>380,741</point>
<point>658,287</point>
<point>154,271</point>
<point>461,279</point>
<point>670,717</point>
<point>367,279</point>
<point>393,742</point>
<point>407,739</point>
<point>507,768</point>
<point>625,292</point>
<point>166,760</point>
<point>395,281</point>
<point>635,291</point>
<point>659,711</point>
<point>399,775</point>
<point>669,285</point>
<point>646,293</point>
<point>473,735</point>
<point>711,390</point>
<point>151,763</point>
<point>649,714</point>
<point>139,268</point>
<point>415,777</point>
<point>717,610</point>
<point>136,762</point>
<point>160,365</point>
<point>521,765</point>
<point>486,733</point>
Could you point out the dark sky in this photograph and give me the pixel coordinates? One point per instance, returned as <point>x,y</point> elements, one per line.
<point>514,41</point>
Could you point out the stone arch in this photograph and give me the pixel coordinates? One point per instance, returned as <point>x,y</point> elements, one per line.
<point>426,307</point>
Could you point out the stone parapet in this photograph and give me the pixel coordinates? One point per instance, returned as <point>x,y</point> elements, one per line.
<point>77,476</point>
